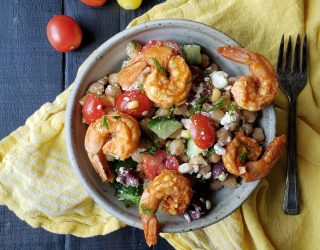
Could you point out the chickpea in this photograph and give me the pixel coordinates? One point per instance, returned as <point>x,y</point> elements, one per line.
<point>216,115</point>
<point>224,136</point>
<point>247,128</point>
<point>204,170</point>
<point>249,116</point>
<point>113,78</point>
<point>162,112</point>
<point>213,158</point>
<point>133,49</point>
<point>198,160</point>
<point>181,109</point>
<point>96,87</point>
<point>176,134</point>
<point>177,147</point>
<point>113,90</point>
<point>204,60</point>
<point>258,134</point>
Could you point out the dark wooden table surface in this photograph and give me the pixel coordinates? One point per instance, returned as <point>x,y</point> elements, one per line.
<point>32,73</point>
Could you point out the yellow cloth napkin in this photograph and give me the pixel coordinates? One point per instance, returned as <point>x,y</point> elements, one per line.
<point>38,184</point>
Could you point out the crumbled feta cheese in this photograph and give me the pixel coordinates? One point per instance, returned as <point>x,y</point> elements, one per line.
<point>230,120</point>
<point>184,168</point>
<point>218,149</point>
<point>242,170</point>
<point>186,123</point>
<point>208,205</point>
<point>195,168</point>
<point>199,91</point>
<point>121,169</point>
<point>207,79</point>
<point>99,107</point>
<point>219,79</point>
<point>207,175</point>
<point>198,176</point>
<point>227,88</point>
<point>202,200</point>
<point>185,134</point>
<point>126,99</point>
<point>144,113</point>
<point>222,177</point>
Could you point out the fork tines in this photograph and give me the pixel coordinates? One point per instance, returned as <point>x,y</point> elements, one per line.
<point>297,66</point>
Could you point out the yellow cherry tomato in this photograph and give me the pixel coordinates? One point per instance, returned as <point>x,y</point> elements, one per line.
<point>129,4</point>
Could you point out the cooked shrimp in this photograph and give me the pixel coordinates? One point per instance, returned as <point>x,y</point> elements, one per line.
<point>116,134</point>
<point>243,152</point>
<point>257,91</point>
<point>175,193</point>
<point>164,91</point>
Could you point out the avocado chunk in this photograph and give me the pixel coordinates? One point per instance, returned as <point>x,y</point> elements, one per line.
<point>163,127</point>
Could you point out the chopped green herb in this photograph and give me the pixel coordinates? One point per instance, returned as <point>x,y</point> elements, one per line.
<point>231,107</point>
<point>128,194</point>
<point>159,67</point>
<point>140,86</point>
<point>198,104</point>
<point>211,151</point>
<point>168,151</point>
<point>128,163</point>
<point>219,104</point>
<point>149,151</point>
<point>171,110</point>
<point>146,210</point>
<point>104,123</point>
<point>134,44</point>
<point>243,156</point>
<point>116,117</point>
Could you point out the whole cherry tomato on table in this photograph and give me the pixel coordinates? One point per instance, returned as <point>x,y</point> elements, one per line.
<point>202,131</point>
<point>64,33</point>
<point>94,3</point>
<point>134,103</point>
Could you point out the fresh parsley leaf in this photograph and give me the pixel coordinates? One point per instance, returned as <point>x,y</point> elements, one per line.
<point>128,194</point>
<point>104,123</point>
<point>159,67</point>
<point>146,210</point>
<point>140,86</point>
<point>231,107</point>
<point>219,104</point>
<point>168,151</point>
<point>128,163</point>
<point>198,104</point>
<point>149,151</point>
<point>171,110</point>
<point>211,151</point>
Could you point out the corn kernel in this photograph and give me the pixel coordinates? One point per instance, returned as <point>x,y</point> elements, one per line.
<point>215,95</point>
<point>133,104</point>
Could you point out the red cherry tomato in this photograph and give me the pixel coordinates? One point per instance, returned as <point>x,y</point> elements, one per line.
<point>153,165</point>
<point>94,3</point>
<point>64,33</point>
<point>168,43</point>
<point>134,103</point>
<point>202,131</point>
<point>95,107</point>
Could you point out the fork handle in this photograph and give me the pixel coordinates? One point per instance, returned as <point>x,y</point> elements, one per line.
<point>291,203</point>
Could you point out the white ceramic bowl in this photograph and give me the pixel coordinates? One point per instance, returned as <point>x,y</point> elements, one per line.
<point>107,59</point>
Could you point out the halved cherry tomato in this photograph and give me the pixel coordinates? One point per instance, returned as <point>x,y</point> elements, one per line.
<point>64,33</point>
<point>94,107</point>
<point>94,3</point>
<point>202,131</point>
<point>168,43</point>
<point>153,165</point>
<point>134,103</point>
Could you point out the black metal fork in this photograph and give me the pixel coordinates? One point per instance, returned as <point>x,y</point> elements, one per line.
<point>292,76</point>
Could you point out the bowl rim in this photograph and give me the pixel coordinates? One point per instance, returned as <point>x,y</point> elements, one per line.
<point>84,69</point>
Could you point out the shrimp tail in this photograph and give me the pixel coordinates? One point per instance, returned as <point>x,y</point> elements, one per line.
<point>234,53</point>
<point>101,166</point>
<point>258,169</point>
<point>151,229</point>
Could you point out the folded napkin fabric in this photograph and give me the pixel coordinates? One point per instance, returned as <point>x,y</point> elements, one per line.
<point>38,183</point>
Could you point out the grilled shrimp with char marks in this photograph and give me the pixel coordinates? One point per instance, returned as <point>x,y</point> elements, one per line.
<point>115,134</point>
<point>163,90</point>
<point>254,168</point>
<point>258,90</point>
<point>172,190</point>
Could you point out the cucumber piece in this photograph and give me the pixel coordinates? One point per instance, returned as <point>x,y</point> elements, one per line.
<point>163,127</point>
<point>192,53</point>
<point>193,149</point>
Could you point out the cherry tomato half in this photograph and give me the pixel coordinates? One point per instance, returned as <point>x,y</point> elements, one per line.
<point>153,165</point>
<point>202,131</point>
<point>64,33</point>
<point>94,107</point>
<point>134,103</point>
<point>94,3</point>
<point>168,43</point>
